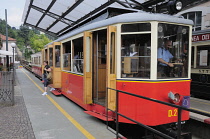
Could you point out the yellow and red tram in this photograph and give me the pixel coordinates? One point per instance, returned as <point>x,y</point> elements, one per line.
<point>121,53</point>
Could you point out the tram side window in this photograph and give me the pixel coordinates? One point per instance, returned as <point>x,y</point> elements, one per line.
<point>50,56</point>
<point>45,55</point>
<point>32,60</point>
<point>172,53</point>
<point>78,55</point>
<point>67,56</point>
<point>39,60</point>
<point>35,60</point>
<point>57,55</point>
<point>136,55</point>
<point>192,57</point>
<point>139,27</point>
<point>203,57</point>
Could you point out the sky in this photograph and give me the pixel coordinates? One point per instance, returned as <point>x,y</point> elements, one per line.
<point>14,11</point>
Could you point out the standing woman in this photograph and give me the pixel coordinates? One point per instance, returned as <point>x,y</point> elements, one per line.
<point>46,71</point>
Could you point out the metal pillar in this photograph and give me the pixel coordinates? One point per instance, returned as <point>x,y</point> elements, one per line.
<point>7,57</point>
<point>13,78</point>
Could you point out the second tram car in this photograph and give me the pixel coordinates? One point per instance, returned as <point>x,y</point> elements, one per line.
<point>200,64</point>
<point>121,53</point>
<point>36,63</point>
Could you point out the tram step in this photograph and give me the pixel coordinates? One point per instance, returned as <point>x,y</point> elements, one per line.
<point>99,116</point>
<point>55,92</point>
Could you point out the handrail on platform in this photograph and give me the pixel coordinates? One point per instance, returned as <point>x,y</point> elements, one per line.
<point>180,108</point>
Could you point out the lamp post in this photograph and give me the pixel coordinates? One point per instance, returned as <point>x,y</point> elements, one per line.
<point>13,45</point>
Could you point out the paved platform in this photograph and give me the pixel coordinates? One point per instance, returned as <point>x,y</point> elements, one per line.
<point>56,117</point>
<point>46,117</point>
<point>201,105</point>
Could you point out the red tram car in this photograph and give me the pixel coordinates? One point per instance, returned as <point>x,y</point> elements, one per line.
<point>121,53</point>
<point>36,63</point>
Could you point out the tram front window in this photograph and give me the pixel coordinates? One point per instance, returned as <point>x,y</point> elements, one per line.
<point>172,53</point>
<point>135,55</point>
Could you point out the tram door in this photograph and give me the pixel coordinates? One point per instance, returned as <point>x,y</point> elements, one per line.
<point>99,46</point>
<point>100,66</point>
<point>56,65</point>
<point>50,59</point>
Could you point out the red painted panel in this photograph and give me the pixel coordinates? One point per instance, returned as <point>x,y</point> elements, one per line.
<point>147,112</point>
<point>37,70</point>
<point>72,87</point>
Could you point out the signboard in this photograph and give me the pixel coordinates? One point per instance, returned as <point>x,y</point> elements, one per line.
<point>201,37</point>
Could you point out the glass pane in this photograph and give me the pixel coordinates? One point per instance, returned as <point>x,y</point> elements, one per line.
<point>198,19</point>
<point>203,57</point>
<point>135,56</point>
<point>102,40</point>
<point>192,17</point>
<point>192,57</point>
<point>57,55</point>
<point>67,56</point>
<point>78,55</point>
<point>45,55</point>
<point>136,27</point>
<point>173,45</point>
<point>88,53</point>
<point>51,56</point>
<point>112,54</point>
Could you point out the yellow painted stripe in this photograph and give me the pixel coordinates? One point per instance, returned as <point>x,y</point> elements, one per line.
<point>201,102</point>
<point>72,73</point>
<point>200,110</point>
<point>71,119</point>
<point>153,81</point>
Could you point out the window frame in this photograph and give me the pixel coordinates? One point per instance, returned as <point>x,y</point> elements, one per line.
<point>194,27</point>
<point>120,54</point>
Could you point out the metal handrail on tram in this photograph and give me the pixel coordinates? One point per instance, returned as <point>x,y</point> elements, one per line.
<point>180,108</point>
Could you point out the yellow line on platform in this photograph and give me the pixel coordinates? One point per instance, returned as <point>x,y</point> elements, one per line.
<point>200,102</point>
<point>200,110</point>
<point>71,119</point>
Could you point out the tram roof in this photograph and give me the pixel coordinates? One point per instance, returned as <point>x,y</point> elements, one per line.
<point>201,32</point>
<point>126,18</point>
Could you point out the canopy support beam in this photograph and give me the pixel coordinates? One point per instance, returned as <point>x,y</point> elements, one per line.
<point>45,12</point>
<point>63,31</point>
<point>55,16</point>
<point>64,14</point>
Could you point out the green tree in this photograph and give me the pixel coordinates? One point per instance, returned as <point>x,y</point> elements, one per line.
<point>11,32</point>
<point>26,37</point>
<point>38,42</point>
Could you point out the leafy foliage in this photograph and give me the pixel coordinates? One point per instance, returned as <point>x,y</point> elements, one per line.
<point>38,42</point>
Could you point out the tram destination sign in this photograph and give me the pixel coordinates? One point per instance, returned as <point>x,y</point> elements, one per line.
<point>201,37</point>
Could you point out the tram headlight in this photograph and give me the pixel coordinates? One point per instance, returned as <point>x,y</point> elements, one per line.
<point>174,6</point>
<point>178,5</point>
<point>174,97</point>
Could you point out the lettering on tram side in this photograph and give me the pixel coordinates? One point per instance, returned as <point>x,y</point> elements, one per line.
<point>203,71</point>
<point>172,113</point>
<point>201,37</point>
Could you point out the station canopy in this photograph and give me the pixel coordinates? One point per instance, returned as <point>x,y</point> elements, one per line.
<point>57,17</point>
